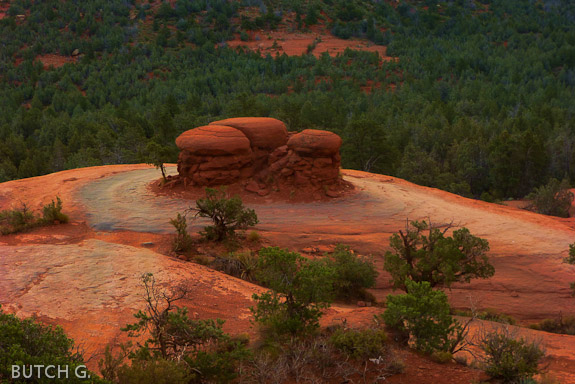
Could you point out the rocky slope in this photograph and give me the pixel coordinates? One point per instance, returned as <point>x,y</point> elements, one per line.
<point>84,275</point>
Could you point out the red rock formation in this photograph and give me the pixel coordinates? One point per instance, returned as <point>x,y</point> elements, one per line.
<point>263,132</point>
<point>258,149</point>
<point>214,155</point>
<point>310,157</point>
<point>214,140</point>
<point>315,143</point>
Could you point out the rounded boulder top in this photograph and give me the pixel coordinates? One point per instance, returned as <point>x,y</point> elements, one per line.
<point>214,140</point>
<point>315,143</point>
<point>263,132</point>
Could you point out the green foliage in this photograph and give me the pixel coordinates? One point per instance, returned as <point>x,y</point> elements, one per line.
<point>424,314</point>
<point>253,237</point>
<point>477,102</point>
<point>28,342</point>
<point>563,325</point>
<point>553,199</point>
<point>300,289</point>
<point>178,347</point>
<point>360,344</point>
<point>311,16</point>
<point>16,220</point>
<point>22,219</point>
<point>318,359</point>
<point>353,274</point>
<point>52,212</point>
<point>227,214</point>
<point>571,258</point>
<point>154,371</point>
<point>183,241</point>
<point>510,360</point>
<point>243,265</point>
<point>156,155</point>
<point>170,329</point>
<point>435,258</point>
<point>220,363</point>
<point>366,147</point>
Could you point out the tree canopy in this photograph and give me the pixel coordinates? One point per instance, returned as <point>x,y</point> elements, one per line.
<point>423,252</point>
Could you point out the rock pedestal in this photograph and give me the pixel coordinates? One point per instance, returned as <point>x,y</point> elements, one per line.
<point>257,150</point>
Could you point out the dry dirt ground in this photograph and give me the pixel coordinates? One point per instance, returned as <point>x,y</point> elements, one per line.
<point>84,275</point>
<point>297,43</point>
<point>287,39</point>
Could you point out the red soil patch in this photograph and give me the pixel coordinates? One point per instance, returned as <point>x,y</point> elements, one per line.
<point>296,44</point>
<point>286,39</point>
<point>56,61</point>
<point>4,6</point>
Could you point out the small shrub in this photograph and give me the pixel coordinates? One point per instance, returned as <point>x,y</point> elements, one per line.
<point>21,219</point>
<point>552,199</point>
<point>227,214</point>
<point>242,265</point>
<point>183,241</point>
<point>508,359</point>
<point>179,349</point>
<point>28,342</point>
<point>253,237</point>
<point>442,357</point>
<point>423,314</point>
<point>220,364</point>
<point>16,220</point>
<point>53,212</point>
<point>562,325</point>
<point>422,252</point>
<point>300,289</point>
<point>571,258</point>
<point>360,344</point>
<point>202,260</point>
<point>353,274</point>
<point>317,360</point>
<point>154,371</point>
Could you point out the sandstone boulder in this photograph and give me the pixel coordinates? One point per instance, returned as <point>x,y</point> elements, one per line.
<point>259,151</point>
<point>263,132</point>
<point>214,140</point>
<point>315,143</point>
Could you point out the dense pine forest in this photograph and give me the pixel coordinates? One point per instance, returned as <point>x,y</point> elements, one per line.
<point>479,99</point>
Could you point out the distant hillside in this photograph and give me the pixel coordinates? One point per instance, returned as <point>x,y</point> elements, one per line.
<point>474,97</point>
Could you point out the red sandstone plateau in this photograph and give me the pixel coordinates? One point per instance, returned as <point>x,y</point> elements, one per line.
<point>84,275</point>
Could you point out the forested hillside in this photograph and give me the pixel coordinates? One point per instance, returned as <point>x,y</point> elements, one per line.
<point>479,100</point>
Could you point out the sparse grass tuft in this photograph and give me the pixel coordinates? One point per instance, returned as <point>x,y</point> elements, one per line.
<point>242,265</point>
<point>183,241</point>
<point>253,237</point>
<point>489,314</point>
